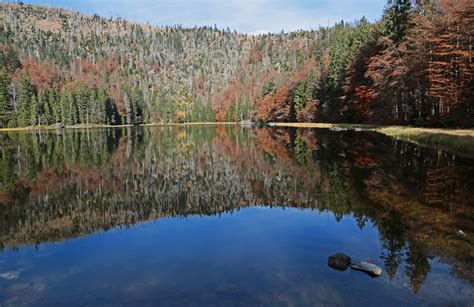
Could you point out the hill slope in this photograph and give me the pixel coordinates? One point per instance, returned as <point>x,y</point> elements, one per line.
<point>62,66</point>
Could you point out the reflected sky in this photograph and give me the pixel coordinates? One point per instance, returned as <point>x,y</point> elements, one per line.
<point>254,256</point>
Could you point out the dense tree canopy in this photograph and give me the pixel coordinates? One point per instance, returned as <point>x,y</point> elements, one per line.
<point>412,67</point>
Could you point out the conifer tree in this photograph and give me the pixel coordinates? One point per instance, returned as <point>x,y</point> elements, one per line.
<point>34,111</point>
<point>129,112</point>
<point>46,114</point>
<point>4,99</point>
<point>105,107</point>
<point>310,86</point>
<point>12,61</point>
<point>55,104</point>
<point>397,19</point>
<point>25,93</point>
<point>63,103</point>
<point>138,105</point>
<point>299,97</point>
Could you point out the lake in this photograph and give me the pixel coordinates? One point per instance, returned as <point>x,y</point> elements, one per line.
<point>227,215</point>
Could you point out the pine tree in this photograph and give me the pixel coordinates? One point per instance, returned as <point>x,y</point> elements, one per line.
<point>310,87</point>
<point>93,109</point>
<point>102,107</point>
<point>299,97</point>
<point>397,19</point>
<point>63,103</point>
<point>105,108</point>
<point>129,113</point>
<point>269,88</point>
<point>82,99</point>
<point>34,111</point>
<point>44,107</point>
<point>339,55</point>
<point>12,61</point>
<point>25,93</point>
<point>138,104</point>
<point>55,104</point>
<point>4,99</point>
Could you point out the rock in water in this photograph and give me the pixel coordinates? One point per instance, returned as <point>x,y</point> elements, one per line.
<point>246,123</point>
<point>10,275</point>
<point>461,234</point>
<point>339,261</point>
<point>367,267</point>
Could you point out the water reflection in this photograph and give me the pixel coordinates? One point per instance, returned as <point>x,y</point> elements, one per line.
<point>55,187</point>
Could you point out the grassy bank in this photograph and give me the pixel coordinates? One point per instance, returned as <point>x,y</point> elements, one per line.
<point>459,141</point>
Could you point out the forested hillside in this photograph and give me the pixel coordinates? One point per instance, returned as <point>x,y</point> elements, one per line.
<point>412,67</point>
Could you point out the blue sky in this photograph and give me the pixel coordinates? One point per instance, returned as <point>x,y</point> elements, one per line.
<point>249,16</point>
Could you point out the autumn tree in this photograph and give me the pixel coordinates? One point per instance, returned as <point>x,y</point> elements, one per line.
<point>451,68</point>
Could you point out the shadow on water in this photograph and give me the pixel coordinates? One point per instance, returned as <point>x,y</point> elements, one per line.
<point>56,187</point>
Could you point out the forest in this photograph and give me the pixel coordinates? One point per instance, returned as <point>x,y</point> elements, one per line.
<point>412,67</point>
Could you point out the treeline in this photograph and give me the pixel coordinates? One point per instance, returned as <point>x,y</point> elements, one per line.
<point>312,92</point>
<point>22,104</point>
<point>149,74</point>
<point>31,107</point>
<point>414,67</point>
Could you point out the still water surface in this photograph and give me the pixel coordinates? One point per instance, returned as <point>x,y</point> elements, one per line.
<point>231,216</point>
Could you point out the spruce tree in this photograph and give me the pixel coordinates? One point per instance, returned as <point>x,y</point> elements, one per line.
<point>397,19</point>
<point>25,92</point>
<point>310,86</point>
<point>129,114</point>
<point>34,111</point>
<point>44,107</point>
<point>299,97</point>
<point>138,104</point>
<point>105,107</point>
<point>12,61</point>
<point>4,99</point>
<point>55,104</point>
<point>101,105</point>
<point>63,104</point>
<point>93,108</point>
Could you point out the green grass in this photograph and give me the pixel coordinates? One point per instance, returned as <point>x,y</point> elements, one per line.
<point>460,142</point>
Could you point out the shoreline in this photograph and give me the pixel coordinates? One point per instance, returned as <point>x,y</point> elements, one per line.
<point>458,141</point>
<point>79,127</point>
<point>393,131</point>
<point>387,130</point>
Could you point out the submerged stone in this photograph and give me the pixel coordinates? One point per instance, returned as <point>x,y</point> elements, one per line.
<point>10,275</point>
<point>461,234</point>
<point>339,261</point>
<point>246,123</point>
<point>367,267</point>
